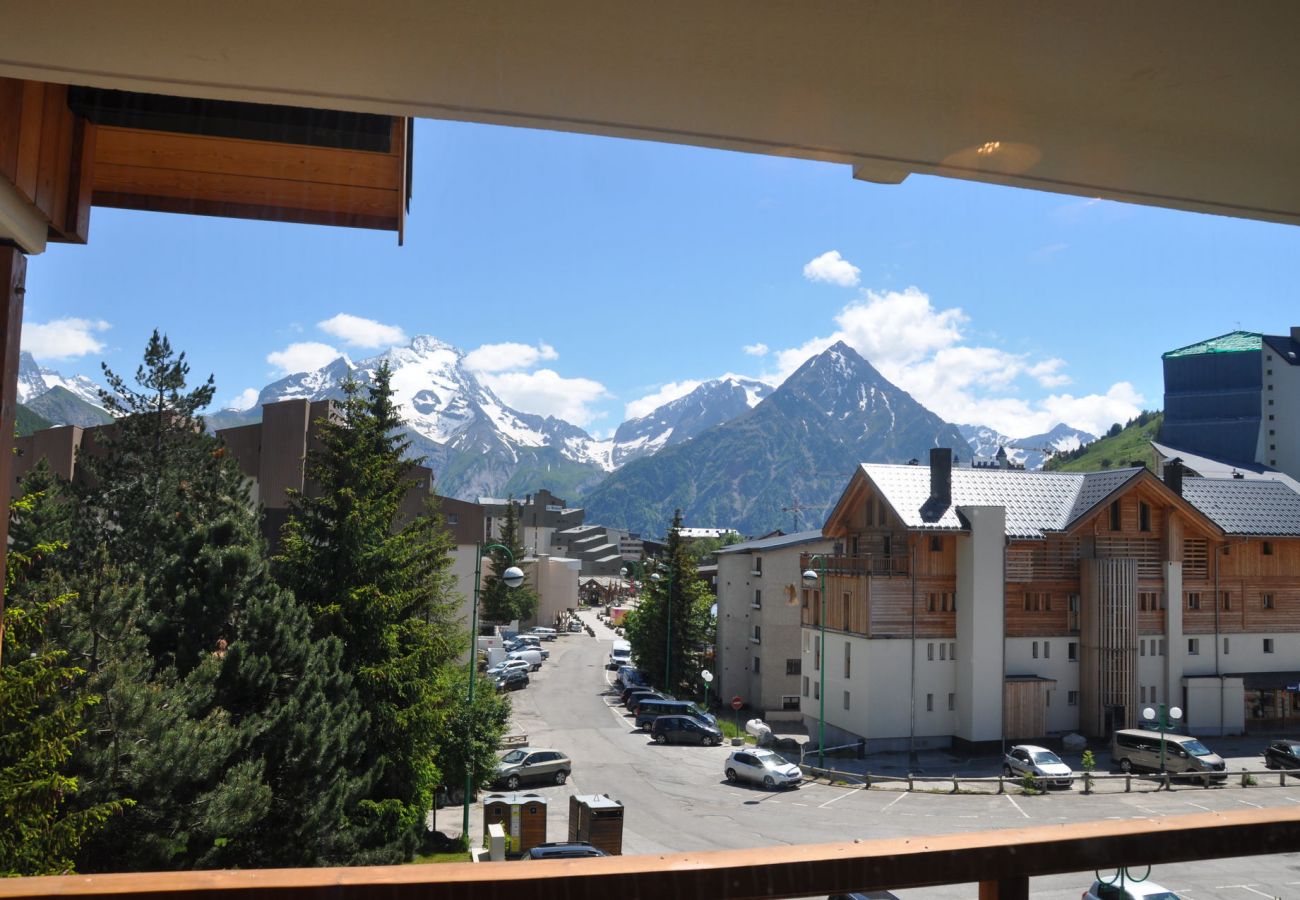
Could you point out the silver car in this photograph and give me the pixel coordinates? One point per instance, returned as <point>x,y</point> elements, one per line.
<point>1044,765</point>
<point>532,764</point>
<point>762,767</point>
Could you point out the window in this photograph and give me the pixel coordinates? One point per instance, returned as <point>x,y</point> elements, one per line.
<point>1142,648</point>
<point>1047,649</point>
<point>1148,601</point>
<point>805,685</point>
<point>757,636</point>
<point>1193,600</point>
<point>1047,698</point>
<point>932,603</point>
<point>952,650</point>
<point>952,702</point>
<point>1267,548</point>
<point>1072,651</point>
<point>1193,646</point>
<point>817,654</point>
<point>929,702</point>
<point>805,598</point>
<point>758,599</point>
<point>757,665</point>
<point>1143,692</point>
<point>1268,645</point>
<point>1114,516</point>
<point>1153,693</point>
<point>1267,600</point>
<point>1072,698</point>
<point>929,651</point>
<point>453,519</point>
<point>793,666</point>
<point>758,565</point>
<point>1144,517</point>
<point>943,651</point>
<point>1225,597</point>
<point>936,544</point>
<point>817,691</point>
<point>1162,646</point>
<point>846,699</point>
<point>789,701</point>
<point>1035,649</point>
<point>1225,646</point>
<point>847,660</point>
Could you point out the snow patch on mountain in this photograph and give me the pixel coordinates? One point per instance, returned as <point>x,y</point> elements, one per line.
<point>1032,451</point>
<point>34,380</point>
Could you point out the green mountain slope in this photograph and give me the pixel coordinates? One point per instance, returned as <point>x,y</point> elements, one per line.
<point>29,421</point>
<point>62,407</point>
<point>1117,449</point>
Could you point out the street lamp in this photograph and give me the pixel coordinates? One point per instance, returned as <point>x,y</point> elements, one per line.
<point>818,578</point>
<point>708,679</point>
<point>1166,722</point>
<point>513,577</point>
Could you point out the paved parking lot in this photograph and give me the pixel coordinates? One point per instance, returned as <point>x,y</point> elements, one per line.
<point>677,798</point>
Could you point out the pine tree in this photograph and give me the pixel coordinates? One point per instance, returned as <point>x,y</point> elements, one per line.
<point>681,597</point>
<point>501,603</point>
<point>228,724</point>
<point>42,719</point>
<point>384,591</point>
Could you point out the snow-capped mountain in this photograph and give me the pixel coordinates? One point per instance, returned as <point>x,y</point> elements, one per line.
<point>34,380</point>
<point>477,444</point>
<point>712,403</point>
<point>1031,451</point>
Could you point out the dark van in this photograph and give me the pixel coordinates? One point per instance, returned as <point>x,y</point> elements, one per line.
<point>649,710</point>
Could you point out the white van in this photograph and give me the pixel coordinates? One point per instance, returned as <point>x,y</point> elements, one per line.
<point>1132,749</point>
<point>621,655</point>
<point>532,657</point>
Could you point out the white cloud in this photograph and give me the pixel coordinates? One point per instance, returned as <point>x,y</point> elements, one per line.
<point>63,338</point>
<point>358,332</point>
<point>306,356</point>
<point>832,267</point>
<point>508,356</point>
<point>759,349</point>
<point>244,400</point>
<point>547,393</point>
<point>1048,374</point>
<point>666,394</point>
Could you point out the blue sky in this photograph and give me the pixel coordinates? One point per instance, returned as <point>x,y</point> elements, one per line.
<point>627,271</point>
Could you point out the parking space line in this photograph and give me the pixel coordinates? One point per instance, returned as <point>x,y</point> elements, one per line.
<point>1248,803</point>
<point>833,799</point>
<point>1251,888</point>
<point>892,802</point>
<point>1017,805</point>
<point>1198,806</point>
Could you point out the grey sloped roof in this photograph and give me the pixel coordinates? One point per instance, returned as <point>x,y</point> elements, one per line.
<point>779,540</point>
<point>1036,502</point>
<point>1244,506</point>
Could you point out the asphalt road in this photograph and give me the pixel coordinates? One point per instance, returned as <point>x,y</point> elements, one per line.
<point>677,799</point>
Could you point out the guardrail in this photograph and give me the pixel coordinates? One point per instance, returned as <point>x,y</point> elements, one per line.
<point>1000,784</point>
<point>1001,862</point>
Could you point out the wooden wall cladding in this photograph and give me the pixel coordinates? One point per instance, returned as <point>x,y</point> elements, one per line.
<point>47,152</point>
<point>220,176</point>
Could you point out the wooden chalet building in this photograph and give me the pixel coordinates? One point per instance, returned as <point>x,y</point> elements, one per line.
<point>972,605</point>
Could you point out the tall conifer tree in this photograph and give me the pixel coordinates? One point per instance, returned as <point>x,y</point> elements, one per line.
<point>501,603</point>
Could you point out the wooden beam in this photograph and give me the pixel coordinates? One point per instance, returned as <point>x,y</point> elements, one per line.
<point>13,274</point>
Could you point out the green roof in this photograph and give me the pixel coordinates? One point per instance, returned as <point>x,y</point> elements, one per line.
<point>1232,342</point>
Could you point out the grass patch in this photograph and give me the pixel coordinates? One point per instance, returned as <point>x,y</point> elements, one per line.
<point>729,730</point>
<point>453,857</point>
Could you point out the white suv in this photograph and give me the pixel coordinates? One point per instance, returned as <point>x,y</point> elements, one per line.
<point>762,767</point>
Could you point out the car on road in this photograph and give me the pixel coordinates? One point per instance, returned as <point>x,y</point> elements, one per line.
<point>512,680</point>
<point>532,764</point>
<point>546,634</point>
<point>1132,890</point>
<point>684,730</point>
<point>1282,755</point>
<point>761,767</point>
<point>563,850</point>
<point>619,655</point>
<point>574,626</point>
<point>497,668</point>
<point>1045,766</point>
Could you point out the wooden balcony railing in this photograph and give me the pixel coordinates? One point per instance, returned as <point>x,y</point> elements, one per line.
<point>1001,862</point>
<point>859,566</point>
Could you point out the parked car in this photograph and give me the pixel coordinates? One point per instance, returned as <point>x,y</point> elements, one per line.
<point>496,671</point>
<point>1282,755</point>
<point>546,634</point>
<point>684,730</point>
<point>630,692</point>
<point>865,895</point>
<point>533,658</point>
<point>1045,766</point>
<point>629,676</point>
<point>564,850</point>
<point>639,696</point>
<point>1133,749</point>
<point>761,767</point>
<point>650,708</point>
<point>532,764</point>
<point>512,680</point>
<point>1132,890</point>
<point>575,625</point>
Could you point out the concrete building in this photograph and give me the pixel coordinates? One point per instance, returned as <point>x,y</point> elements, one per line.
<point>1236,398</point>
<point>758,655</point>
<point>971,605</point>
<point>556,580</point>
<point>597,547</point>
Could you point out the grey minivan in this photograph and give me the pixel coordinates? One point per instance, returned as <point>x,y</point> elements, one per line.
<point>1133,749</point>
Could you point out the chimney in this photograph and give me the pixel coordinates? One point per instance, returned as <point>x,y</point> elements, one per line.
<point>941,476</point>
<point>1295,333</point>
<point>1174,475</point>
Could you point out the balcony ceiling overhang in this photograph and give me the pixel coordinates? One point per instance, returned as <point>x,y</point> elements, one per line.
<point>1189,105</point>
